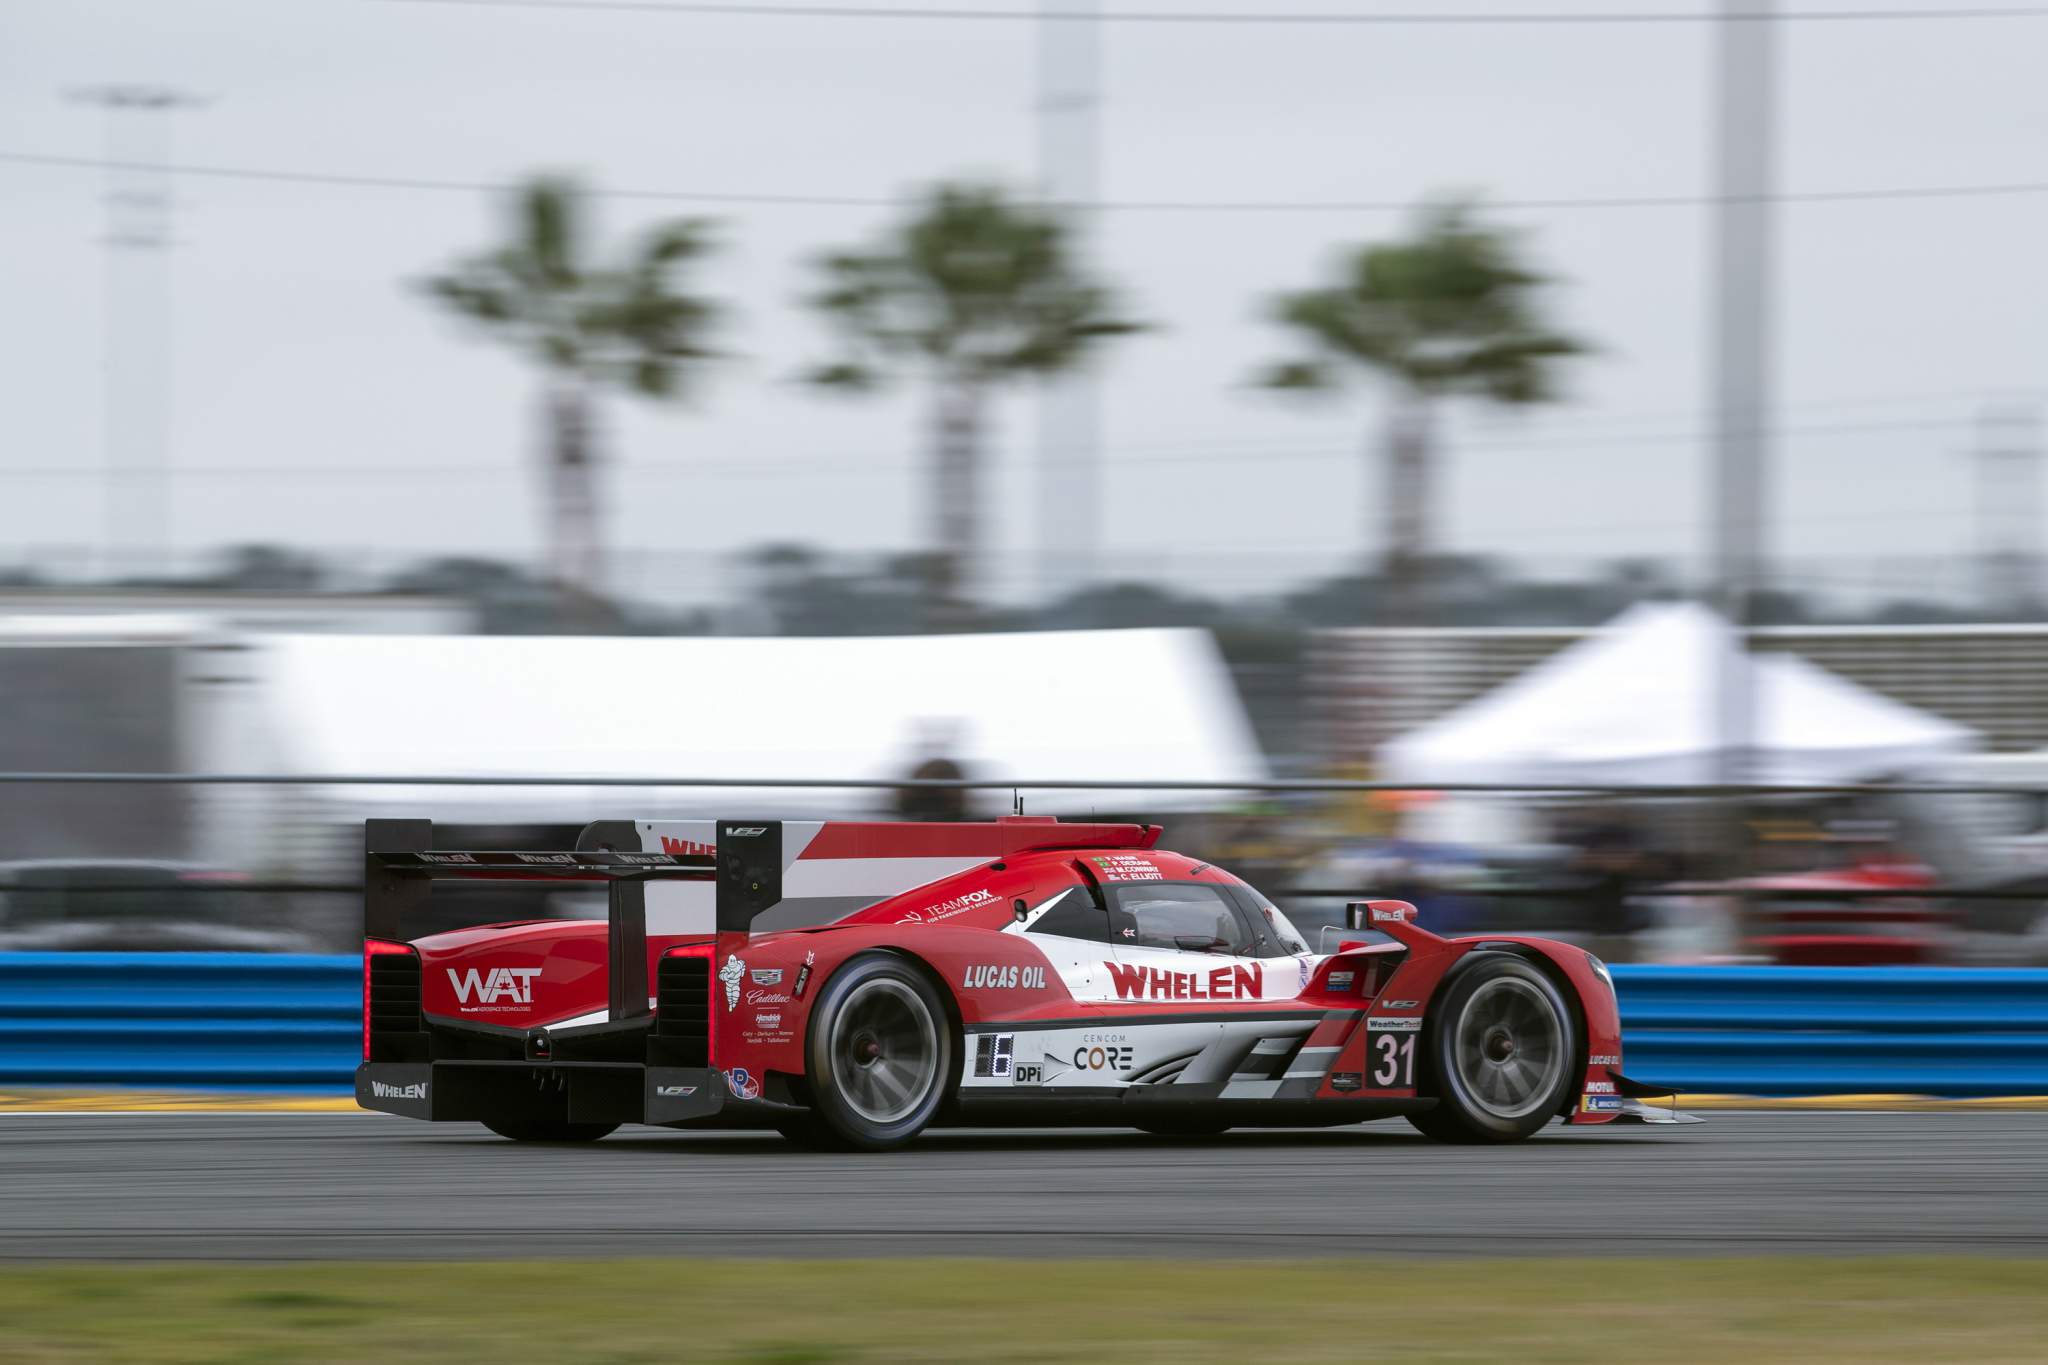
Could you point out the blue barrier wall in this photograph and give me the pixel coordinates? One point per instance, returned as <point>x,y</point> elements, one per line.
<point>272,1021</point>
<point>268,1020</point>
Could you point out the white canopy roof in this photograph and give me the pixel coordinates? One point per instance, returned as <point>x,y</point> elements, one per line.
<point>1107,705</point>
<point>1635,705</point>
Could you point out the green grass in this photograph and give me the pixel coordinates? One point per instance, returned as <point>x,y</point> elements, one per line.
<point>829,1312</point>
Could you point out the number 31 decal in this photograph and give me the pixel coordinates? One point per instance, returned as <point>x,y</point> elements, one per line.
<point>1393,1061</point>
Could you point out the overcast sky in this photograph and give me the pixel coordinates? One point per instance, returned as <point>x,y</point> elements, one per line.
<point>300,351</point>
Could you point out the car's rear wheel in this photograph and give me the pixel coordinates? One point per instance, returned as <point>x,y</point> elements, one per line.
<point>1502,1048</point>
<point>548,1130</point>
<point>878,1056</point>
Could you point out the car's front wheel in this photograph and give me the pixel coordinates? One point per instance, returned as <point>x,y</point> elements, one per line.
<point>879,1054</point>
<point>548,1130</point>
<point>1502,1048</point>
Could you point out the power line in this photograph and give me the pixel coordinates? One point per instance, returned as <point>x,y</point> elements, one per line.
<point>344,180</point>
<point>1267,19</point>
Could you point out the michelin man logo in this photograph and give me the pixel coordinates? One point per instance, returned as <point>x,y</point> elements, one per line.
<point>731,974</point>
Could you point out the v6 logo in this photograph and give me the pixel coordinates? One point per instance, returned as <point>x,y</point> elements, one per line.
<point>505,985</point>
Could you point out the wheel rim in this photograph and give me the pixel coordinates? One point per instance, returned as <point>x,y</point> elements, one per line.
<point>885,1051</point>
<point>1509,1048</point>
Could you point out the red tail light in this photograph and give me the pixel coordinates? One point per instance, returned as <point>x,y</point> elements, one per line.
<point>373,948</point>
<point>707,952</point>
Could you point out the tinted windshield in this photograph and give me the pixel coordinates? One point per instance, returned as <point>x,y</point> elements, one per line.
<point>1278,926</point>
<point>1174,915</point>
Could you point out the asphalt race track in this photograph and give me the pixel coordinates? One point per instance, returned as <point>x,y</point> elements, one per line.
<point>359,1185</point>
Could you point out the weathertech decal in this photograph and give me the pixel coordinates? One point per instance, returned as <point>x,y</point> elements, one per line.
<point>1242,982</point>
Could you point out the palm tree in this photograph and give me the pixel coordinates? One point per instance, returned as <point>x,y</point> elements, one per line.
<point>976,292</point>
<point>626,325</point>
<point>1449,312</point>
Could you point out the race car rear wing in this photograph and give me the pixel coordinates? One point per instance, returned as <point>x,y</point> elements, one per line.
<point>401,865</point>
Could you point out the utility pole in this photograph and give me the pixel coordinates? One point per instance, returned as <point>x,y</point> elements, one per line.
<point>1744,177</point>
<point>1745,118</point>
<point>136,313</point>
<point>1069,405</point>
<point>2008,458</point>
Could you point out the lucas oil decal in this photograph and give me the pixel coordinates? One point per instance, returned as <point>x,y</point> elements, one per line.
<point>1001,976</point>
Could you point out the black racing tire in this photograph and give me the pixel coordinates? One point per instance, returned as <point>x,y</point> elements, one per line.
<point>878,1055</point>
<point>548,1130</point>
<point>1502,1049</point>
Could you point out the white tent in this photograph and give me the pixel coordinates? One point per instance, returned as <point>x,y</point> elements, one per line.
<point>1101,705</point>
<point>1635,704</point>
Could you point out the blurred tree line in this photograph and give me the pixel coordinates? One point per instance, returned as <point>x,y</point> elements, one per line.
<point>972,293</point>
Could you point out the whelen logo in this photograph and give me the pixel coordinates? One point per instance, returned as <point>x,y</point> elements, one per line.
<point>385,1091</point>
<point>505,985</point>
<point>1224,983</point>
<point>686,847</point>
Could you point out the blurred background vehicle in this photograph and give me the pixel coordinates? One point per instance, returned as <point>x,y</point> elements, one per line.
<point>133,905</point>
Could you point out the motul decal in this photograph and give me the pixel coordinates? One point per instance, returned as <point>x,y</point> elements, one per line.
<point>503,988</point>
<point>1245,981</point>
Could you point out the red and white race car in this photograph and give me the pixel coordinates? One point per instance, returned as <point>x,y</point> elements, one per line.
<point>851,984</point>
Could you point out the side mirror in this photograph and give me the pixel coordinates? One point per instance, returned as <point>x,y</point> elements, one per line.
<point>1198,943</point>
<point>1364,914</point>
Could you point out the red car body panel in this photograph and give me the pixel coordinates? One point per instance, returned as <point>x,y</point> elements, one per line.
<point>1090,1020</point>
